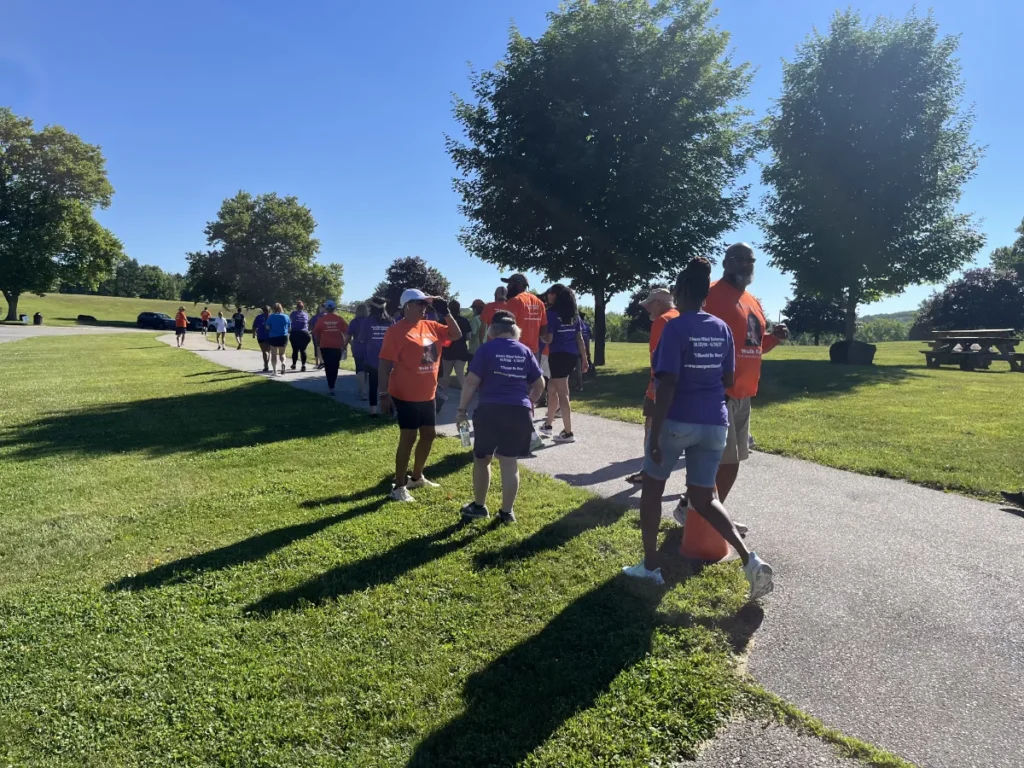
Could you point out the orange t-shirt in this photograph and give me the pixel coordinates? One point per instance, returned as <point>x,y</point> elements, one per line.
<point>414,349</point>
<point>330,331</point>
<point>180,321</point>
<point>531,315</point>
<point>745,318</point>
<point>205,315</point>
<point>656,328</point>
<point>489,309</point>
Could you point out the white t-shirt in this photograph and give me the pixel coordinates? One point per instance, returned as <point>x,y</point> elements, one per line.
<point>220,324</point>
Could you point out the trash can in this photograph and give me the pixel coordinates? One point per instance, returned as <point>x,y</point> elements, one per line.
<point>37,318</point>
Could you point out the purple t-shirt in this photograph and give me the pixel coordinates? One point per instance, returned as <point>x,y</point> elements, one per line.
<point>300,320</point>
<point>698,348</point>
<point>563,335</point>
<point>371,335</point>
<point>354,329</point>
<point>506,369</point>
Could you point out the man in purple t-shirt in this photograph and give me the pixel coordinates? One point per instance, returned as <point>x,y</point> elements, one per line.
<point>693,365</point>
<point>509,380</point>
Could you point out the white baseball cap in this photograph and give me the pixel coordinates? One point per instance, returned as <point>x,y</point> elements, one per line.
<point>412,294</point>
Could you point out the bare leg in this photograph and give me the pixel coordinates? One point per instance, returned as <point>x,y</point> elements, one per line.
<point>509,482</point>
<point>460,373</point>
<point>549,420</point>
<point>482,479</point>
<point>650,519</point>
<point>423,447</point>
<point>726,479</point>
<point>406,440</point>
<point>562,387</point>
<point>708,507</point>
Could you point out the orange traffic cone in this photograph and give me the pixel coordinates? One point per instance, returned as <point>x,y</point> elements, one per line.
<point>700,540</point>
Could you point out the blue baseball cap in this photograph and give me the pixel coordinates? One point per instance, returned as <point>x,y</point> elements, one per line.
<point>330,304</point>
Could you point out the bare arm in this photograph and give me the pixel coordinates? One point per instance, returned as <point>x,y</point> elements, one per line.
<point>664,394</point>
<point>536,390</point>
<point>581,348</point>
<point>383,377</point>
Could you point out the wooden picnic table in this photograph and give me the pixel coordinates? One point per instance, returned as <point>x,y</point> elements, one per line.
<point>974,349</point>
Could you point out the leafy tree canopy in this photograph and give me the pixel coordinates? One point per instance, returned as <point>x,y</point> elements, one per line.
<point>605,152</point>
<point>1011,257</point>
<point>50,183</point>
<point>815,316</point>
<point>263,252</point>
<point>870,151</point>
<point>411,272</point>
<point>982,298</point>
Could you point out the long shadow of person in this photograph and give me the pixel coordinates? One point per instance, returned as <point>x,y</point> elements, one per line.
<point>369,572</point>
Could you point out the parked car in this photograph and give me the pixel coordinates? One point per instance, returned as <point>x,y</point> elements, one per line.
<point>156,320</point>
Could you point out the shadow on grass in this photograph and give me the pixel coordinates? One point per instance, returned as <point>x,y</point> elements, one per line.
<point>245,551</point>
<point>243,416</point>
<point>369,572</point>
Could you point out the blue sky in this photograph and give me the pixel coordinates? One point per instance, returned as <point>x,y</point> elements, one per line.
<point>345,104</point>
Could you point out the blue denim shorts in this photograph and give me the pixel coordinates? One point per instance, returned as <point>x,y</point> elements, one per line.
<point>702,444</point>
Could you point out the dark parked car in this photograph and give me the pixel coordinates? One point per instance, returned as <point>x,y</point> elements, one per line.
<point>156,320</point>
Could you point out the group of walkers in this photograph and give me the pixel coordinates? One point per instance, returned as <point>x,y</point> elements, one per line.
<point>219,323</point>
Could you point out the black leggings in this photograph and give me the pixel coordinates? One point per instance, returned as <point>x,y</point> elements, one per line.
<point>300,340</point>
<point>372,382</point>
<point>332,360</point>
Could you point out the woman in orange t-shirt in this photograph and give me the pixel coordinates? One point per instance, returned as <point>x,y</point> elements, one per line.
<point>409,358</point>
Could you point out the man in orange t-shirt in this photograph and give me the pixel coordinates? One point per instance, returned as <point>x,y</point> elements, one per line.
<point>180,326</point>
<point>661,308</point>
<point>409,358</point>
<point>500,297</point>
<point>729,301</point>
<point>331,334</point>
<point>205,316</point>
<point>530,312</point>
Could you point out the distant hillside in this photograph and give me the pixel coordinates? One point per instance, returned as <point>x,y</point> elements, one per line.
<point>900,317</point>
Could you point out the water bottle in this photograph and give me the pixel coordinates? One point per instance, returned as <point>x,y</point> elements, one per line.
<point>464,434</point>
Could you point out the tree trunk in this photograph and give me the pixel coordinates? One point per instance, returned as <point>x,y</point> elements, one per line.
<point>817,338</point>
<point>12,305</point>
<point>851,314</point>
<point>599,328</point>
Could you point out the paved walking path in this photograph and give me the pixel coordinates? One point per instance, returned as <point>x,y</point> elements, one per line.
<point>19,332</point>
<point>898,615</point>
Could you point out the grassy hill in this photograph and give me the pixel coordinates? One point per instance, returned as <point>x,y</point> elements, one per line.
<point>64,308</point>
<point>900,317</point>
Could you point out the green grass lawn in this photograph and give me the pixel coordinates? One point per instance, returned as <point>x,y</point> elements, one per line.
<point>200,568</point>
<point>942,428</point>
<point>64,308</point>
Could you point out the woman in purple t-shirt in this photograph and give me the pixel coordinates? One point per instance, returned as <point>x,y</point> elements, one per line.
<point>371,338</point>
<point>566,350</point>
<point>693,366</point>
<point>299,335</point>
<point>509,380</point>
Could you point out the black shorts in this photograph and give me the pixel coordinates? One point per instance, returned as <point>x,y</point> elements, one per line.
<point>506,430</point>
<point>278,341</point>
<point>562,364</point>
<point>179,331</point>
<point>206,325</point>
<point>415,415</point>
<point>239,332</point>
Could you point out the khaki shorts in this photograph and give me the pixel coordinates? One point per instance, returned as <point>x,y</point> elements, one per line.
<point>737,446</point>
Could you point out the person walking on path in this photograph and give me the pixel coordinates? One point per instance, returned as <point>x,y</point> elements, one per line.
<point>372,335</point>
<point>661,308</point>
<point>299,335</point>
<point>239,320</point>
<point>278,324</point>
<point>261,331</point>
<point>693,364</point>
<point>409,359</point>
<point>180,326</point>
<point>500,300</point>
<point>320,312</point>
<point>477,328</point>
<point>585,327</point>
<point>204,319</point>
<point>455,356</point>
<point>220,328</point>
<point>359,347</point>
<point>331,332</point>
<point>729,301</point>
<point>531,317</point>
<point>508,378</point>
<point>565,350</point>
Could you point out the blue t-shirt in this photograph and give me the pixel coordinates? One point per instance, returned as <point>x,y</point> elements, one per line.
<point>698,348</point>
<point>506,369</point>
<point>259,326</point>
<point>278,323</point>
<point>371,335</point>
<point>354,329</point>
<point>563,335</point>
<point>585,326</point>
<point>300,320</point>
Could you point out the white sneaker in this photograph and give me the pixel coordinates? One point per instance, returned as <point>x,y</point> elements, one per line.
<point>401,494</point>
<point>547,429</point>
<point>759,575</point>
<point>639,571</point>
<point>421,483</point>
<point>564,437</point>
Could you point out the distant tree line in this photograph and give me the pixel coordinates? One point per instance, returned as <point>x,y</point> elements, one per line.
<point>132,280</point>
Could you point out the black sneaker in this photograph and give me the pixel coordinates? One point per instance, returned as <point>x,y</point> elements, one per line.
<point>474,511</point>
<point>506,517</point>
<point>303,369</point>
<point>266,369</point>
<point>293,366</point>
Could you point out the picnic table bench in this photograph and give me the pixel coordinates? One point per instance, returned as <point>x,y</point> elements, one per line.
<point>974,349</point>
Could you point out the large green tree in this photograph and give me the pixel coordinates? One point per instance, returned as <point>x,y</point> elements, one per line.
<point>411,272</point>
<point>806,313</point>
<point>870,151</point>
<point>50,183</point>
<point>262,251</point>
<point>1011,257</point>
<point>605,152</point>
